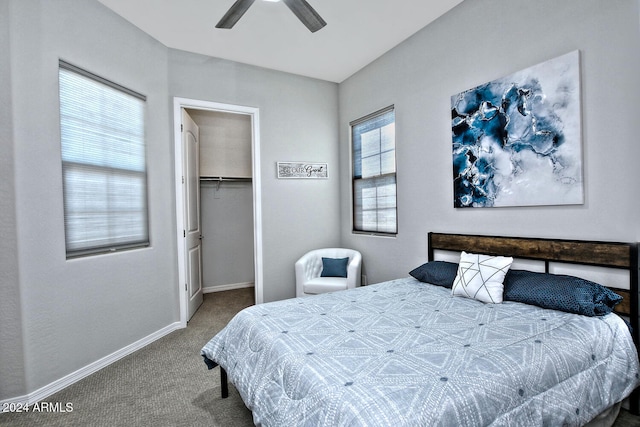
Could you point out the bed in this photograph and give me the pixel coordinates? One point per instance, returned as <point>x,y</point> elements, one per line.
<point>406,352</point>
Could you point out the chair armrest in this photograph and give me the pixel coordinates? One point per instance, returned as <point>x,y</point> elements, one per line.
<point>353,270</point>
<point>309,266</point>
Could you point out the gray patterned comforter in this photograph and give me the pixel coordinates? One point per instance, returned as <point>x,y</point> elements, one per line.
<point>404,353</point>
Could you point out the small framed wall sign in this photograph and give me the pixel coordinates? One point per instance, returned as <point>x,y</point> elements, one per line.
<point>302,170</point>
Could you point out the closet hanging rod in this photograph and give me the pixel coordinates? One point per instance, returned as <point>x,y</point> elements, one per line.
<point>220,179</point>
<point>223,178</point>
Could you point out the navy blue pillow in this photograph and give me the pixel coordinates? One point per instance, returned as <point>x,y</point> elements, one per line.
<point>334,267</point>
<point>559,292</point>
<point>440,273</point>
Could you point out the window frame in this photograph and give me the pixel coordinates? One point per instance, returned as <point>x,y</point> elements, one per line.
<point>382,176</point>
<point>109,174</point>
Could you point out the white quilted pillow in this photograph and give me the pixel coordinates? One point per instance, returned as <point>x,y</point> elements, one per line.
<point>480,277</point>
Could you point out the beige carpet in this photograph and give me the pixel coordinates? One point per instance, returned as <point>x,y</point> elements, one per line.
<point>166,383</point>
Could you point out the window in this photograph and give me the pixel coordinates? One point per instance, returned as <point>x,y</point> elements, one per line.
<point>374,173</point>
<point>103,164</point>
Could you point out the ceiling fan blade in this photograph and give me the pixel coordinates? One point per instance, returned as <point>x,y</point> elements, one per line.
<point>234,13</point>
<point>306,14</point>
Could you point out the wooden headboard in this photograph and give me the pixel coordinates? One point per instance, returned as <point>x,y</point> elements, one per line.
<point>616,255</point>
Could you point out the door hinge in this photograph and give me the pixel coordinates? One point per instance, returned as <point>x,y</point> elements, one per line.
<point>185,287</point>
<point>181,128</point>
<point>183,179</point>
<point>184,233</point>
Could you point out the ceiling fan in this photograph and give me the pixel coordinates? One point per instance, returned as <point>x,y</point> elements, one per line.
<point>300,8</point>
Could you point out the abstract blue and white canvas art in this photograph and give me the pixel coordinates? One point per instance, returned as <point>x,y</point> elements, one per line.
<point>517,140</point>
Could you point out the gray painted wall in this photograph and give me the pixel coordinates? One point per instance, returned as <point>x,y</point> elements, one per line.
<point>476,42</point>
<point>12,381</point>
<point>227,227</point>
<point>298,121</point>
<point>75,312</point>
<point>71,313</point>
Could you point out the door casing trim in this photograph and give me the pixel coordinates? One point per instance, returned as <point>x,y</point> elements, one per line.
<point>178,105</point>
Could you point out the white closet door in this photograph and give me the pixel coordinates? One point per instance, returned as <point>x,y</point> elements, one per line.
<point>193,232</point>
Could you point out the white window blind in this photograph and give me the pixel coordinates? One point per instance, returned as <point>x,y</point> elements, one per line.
<point>103,163</point>
<point>374,173</point>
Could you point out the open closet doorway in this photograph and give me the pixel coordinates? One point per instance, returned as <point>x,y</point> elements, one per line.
<point>227,182</point>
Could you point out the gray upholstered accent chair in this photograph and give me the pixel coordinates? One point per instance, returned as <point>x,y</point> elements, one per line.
<point>315,276</point>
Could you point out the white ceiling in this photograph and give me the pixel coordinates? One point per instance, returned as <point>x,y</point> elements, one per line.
<point>269,35</point>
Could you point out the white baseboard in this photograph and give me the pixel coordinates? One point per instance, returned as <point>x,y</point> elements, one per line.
<point>81,373</point>
<point>220,288</point>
